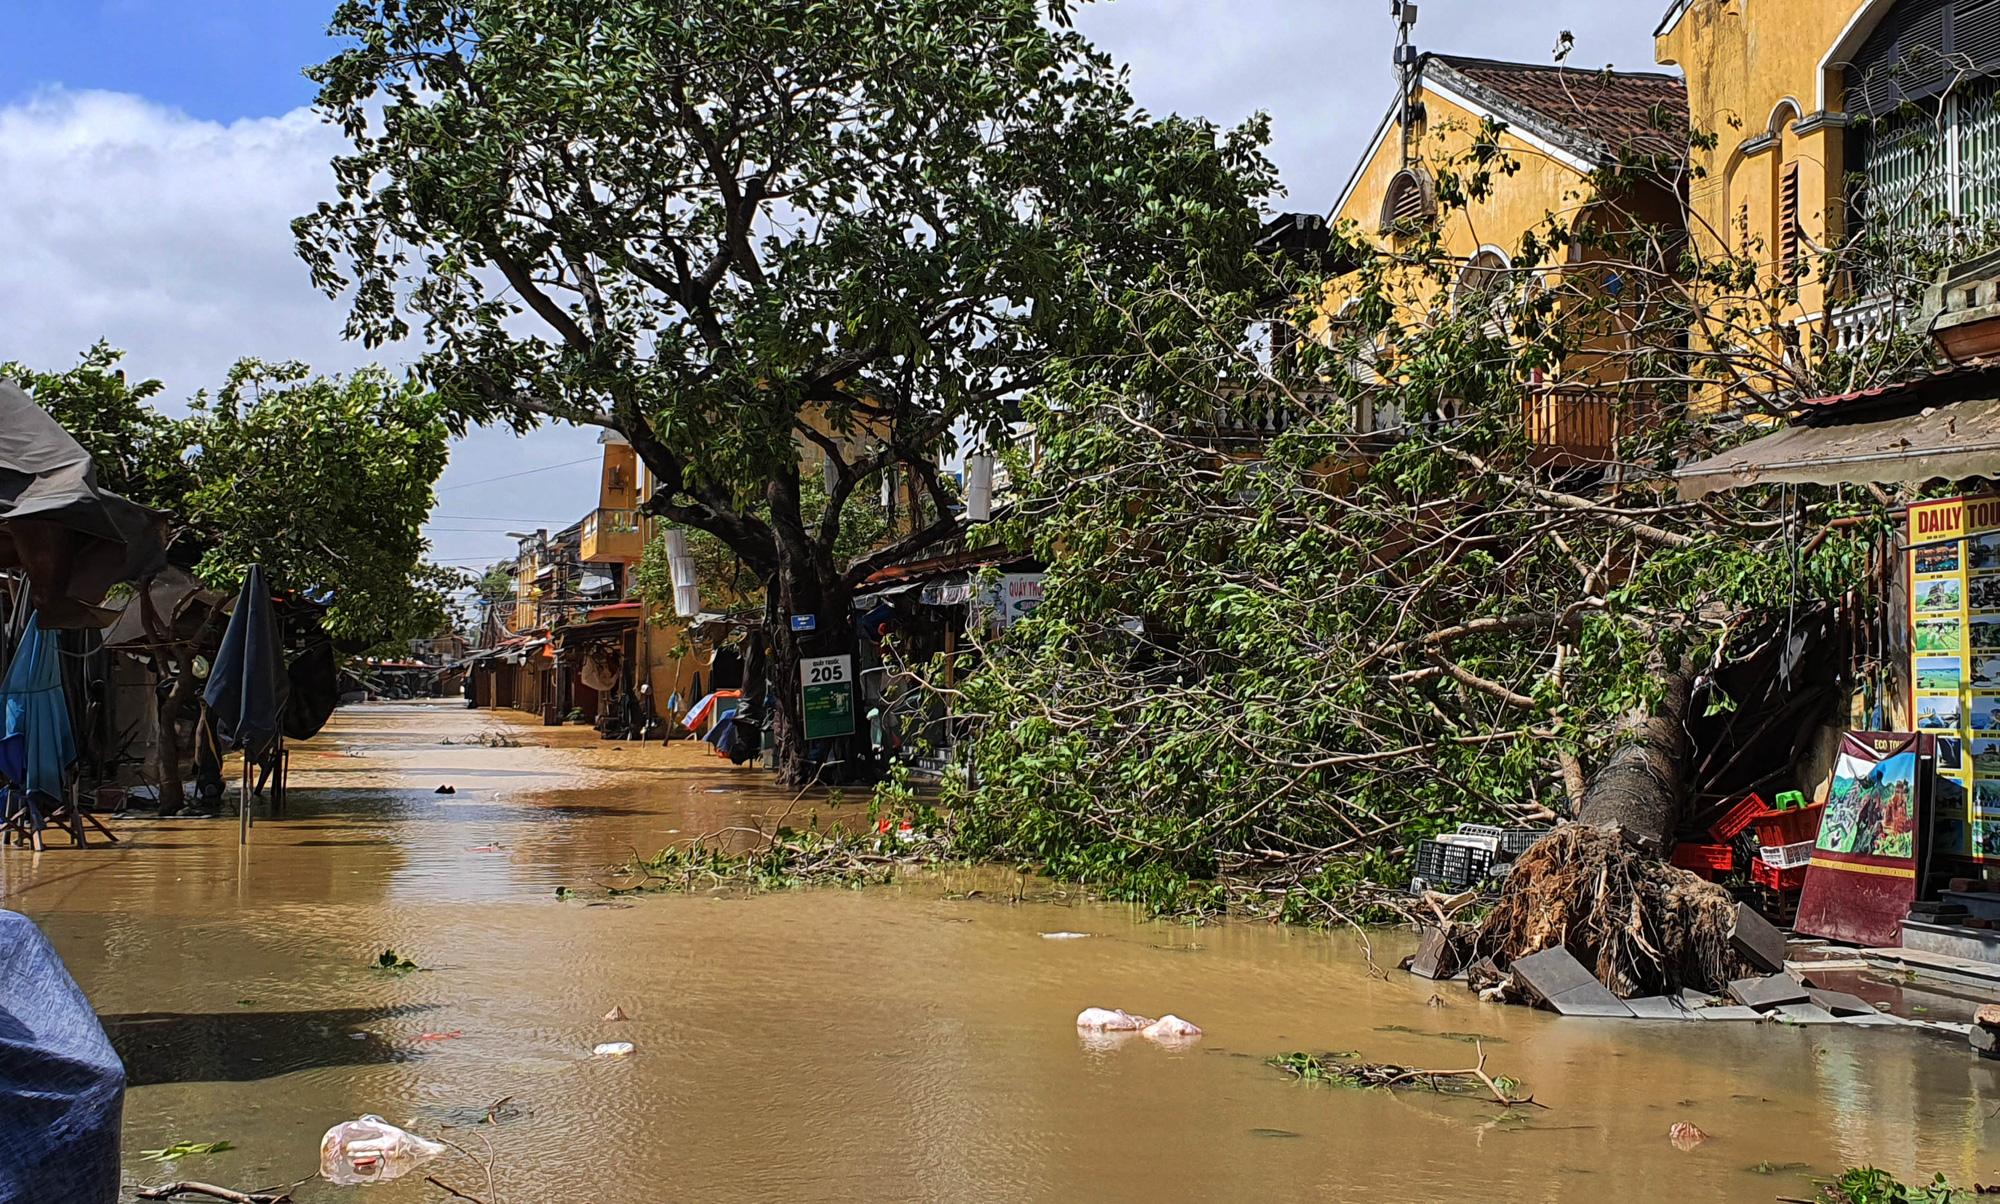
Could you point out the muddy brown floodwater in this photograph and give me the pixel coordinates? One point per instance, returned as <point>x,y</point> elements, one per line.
<point>910,1042</point>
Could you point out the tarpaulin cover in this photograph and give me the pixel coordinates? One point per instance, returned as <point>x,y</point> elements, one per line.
<point>62,1087</point>
<point>74,539</point>
<point>36,744</point>
<point>1947,441</point>
<point>247,688</point>
<point>315,678</point>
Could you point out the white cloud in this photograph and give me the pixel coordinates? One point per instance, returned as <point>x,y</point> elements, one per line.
<point>168,236</point>
<point>171,237</point>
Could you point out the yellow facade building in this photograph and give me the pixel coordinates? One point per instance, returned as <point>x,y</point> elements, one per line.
<point>1832,117</point>
<point>1559,129</point>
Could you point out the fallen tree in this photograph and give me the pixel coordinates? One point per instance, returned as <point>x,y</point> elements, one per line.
<point>1279,645</point>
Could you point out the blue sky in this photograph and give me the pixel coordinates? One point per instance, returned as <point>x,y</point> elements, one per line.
<point>153,153</point>
<point>217,60</point>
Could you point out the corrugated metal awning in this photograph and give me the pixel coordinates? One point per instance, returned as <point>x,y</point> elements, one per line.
<point>1949,441</point>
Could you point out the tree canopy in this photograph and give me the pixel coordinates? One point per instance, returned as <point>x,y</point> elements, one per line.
<point>751,233</point>
<point>325,481</point>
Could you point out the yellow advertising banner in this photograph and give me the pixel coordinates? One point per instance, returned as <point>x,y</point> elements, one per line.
<point>1955,665</point>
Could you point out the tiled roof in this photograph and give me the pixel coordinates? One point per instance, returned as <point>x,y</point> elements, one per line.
<point>1974,380</point>
<point>1601,112</point>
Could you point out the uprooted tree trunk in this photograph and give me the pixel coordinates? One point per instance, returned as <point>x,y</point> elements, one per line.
<point>1597,887</point>
<point>1642,928</point>
<point>1643,787</point>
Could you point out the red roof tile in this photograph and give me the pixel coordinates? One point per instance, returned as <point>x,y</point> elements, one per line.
<point>1644,111</point>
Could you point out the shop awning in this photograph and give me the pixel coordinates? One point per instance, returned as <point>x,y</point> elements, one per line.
<point>1951,441</point>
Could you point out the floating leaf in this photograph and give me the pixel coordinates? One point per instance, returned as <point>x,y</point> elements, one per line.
<point>182,1149</point>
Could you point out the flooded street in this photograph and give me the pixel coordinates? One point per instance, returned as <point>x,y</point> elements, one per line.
<point>911,1042</point>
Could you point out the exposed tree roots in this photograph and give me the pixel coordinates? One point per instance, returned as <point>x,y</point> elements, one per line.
<point>1642,927</point>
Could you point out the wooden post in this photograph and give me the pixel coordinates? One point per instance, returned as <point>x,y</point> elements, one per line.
<point>243,834</point>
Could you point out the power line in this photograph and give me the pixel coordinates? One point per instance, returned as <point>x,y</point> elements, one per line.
<point>523,473</point>
<point>496,518</point>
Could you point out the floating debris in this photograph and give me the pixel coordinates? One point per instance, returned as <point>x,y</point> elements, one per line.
<point>1685,1136</point>
<point>185,1149</point>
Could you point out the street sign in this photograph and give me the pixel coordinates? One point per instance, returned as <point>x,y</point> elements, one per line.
<point>826,684</point>
<point>804,622</point>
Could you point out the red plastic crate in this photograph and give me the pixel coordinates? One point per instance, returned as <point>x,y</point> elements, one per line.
<point>1765,874</point>
<point>1788,827</point>
<point>1712,858</point>
<point>1736,821</point>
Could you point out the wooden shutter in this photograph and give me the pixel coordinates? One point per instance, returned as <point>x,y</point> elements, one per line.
<point>1789,234</point>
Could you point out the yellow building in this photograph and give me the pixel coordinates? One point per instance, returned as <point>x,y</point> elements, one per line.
<point>1832,116</point>
<point>1560,127</point>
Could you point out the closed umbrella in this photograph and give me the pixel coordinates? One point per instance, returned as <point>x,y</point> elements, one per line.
<point>247,687</point>
<point>36,744</point>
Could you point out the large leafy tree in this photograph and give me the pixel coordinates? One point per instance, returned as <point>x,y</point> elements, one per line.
<point>762,239</point>
<point>325,482</point>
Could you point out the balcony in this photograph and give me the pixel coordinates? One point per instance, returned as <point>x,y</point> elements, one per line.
<point>612,537</point>
<point>1569,430</point>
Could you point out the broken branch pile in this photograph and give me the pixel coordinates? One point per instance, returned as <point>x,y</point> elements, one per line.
<point>1342,1069</point>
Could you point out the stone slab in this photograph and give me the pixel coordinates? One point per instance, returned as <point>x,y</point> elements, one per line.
<point>1952,940</point>
<point>1732,1012</point>
<point>1840,1003</point>
<point>1437,957</point>
<point>1775,990</point>
<point>1938,967</point>
<point>1757,939</point>
<point>1700,999</point>
<point>1592,1000</point>
<point>1659,1007</point>
<point>1804,1013</point>
<point>1556,979</point>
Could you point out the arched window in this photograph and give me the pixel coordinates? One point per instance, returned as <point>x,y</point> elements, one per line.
<point>1409,203</point>
<point>1484,275</point>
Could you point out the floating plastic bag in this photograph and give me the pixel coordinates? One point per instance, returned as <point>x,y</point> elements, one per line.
<point>1170,1028</point>
<point>612,1049</point>
<point>371,1150</point>
<point>1110,1020</point>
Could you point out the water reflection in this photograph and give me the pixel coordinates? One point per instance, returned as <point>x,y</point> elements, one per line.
<point>912,1043</point>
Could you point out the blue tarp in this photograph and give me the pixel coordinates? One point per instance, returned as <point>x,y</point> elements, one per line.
<point>36,745</point>
<point>62,1087</point>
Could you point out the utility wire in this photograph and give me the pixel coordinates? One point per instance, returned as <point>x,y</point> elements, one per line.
<point>523,473</point>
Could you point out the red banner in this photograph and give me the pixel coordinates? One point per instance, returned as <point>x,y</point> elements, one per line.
<point>1863,875</point>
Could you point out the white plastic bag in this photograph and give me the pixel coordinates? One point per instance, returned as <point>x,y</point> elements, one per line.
<point>1110,1020</point>
<point>371,1150</point>
<point>1170,1028</point>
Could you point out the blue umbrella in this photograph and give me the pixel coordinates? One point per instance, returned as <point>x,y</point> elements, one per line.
<point>36,745</point>
<point>247,688</point>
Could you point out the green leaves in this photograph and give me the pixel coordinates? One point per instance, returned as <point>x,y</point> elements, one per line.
<point>185,1149</point>
<point>326,482</point>
<point>395,962</point>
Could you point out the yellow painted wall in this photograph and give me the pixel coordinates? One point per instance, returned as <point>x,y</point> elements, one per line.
<point>1754,69</point>
<point>1518,203</point>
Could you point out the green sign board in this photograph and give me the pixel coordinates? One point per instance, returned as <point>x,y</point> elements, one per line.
<point>827,683</point>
